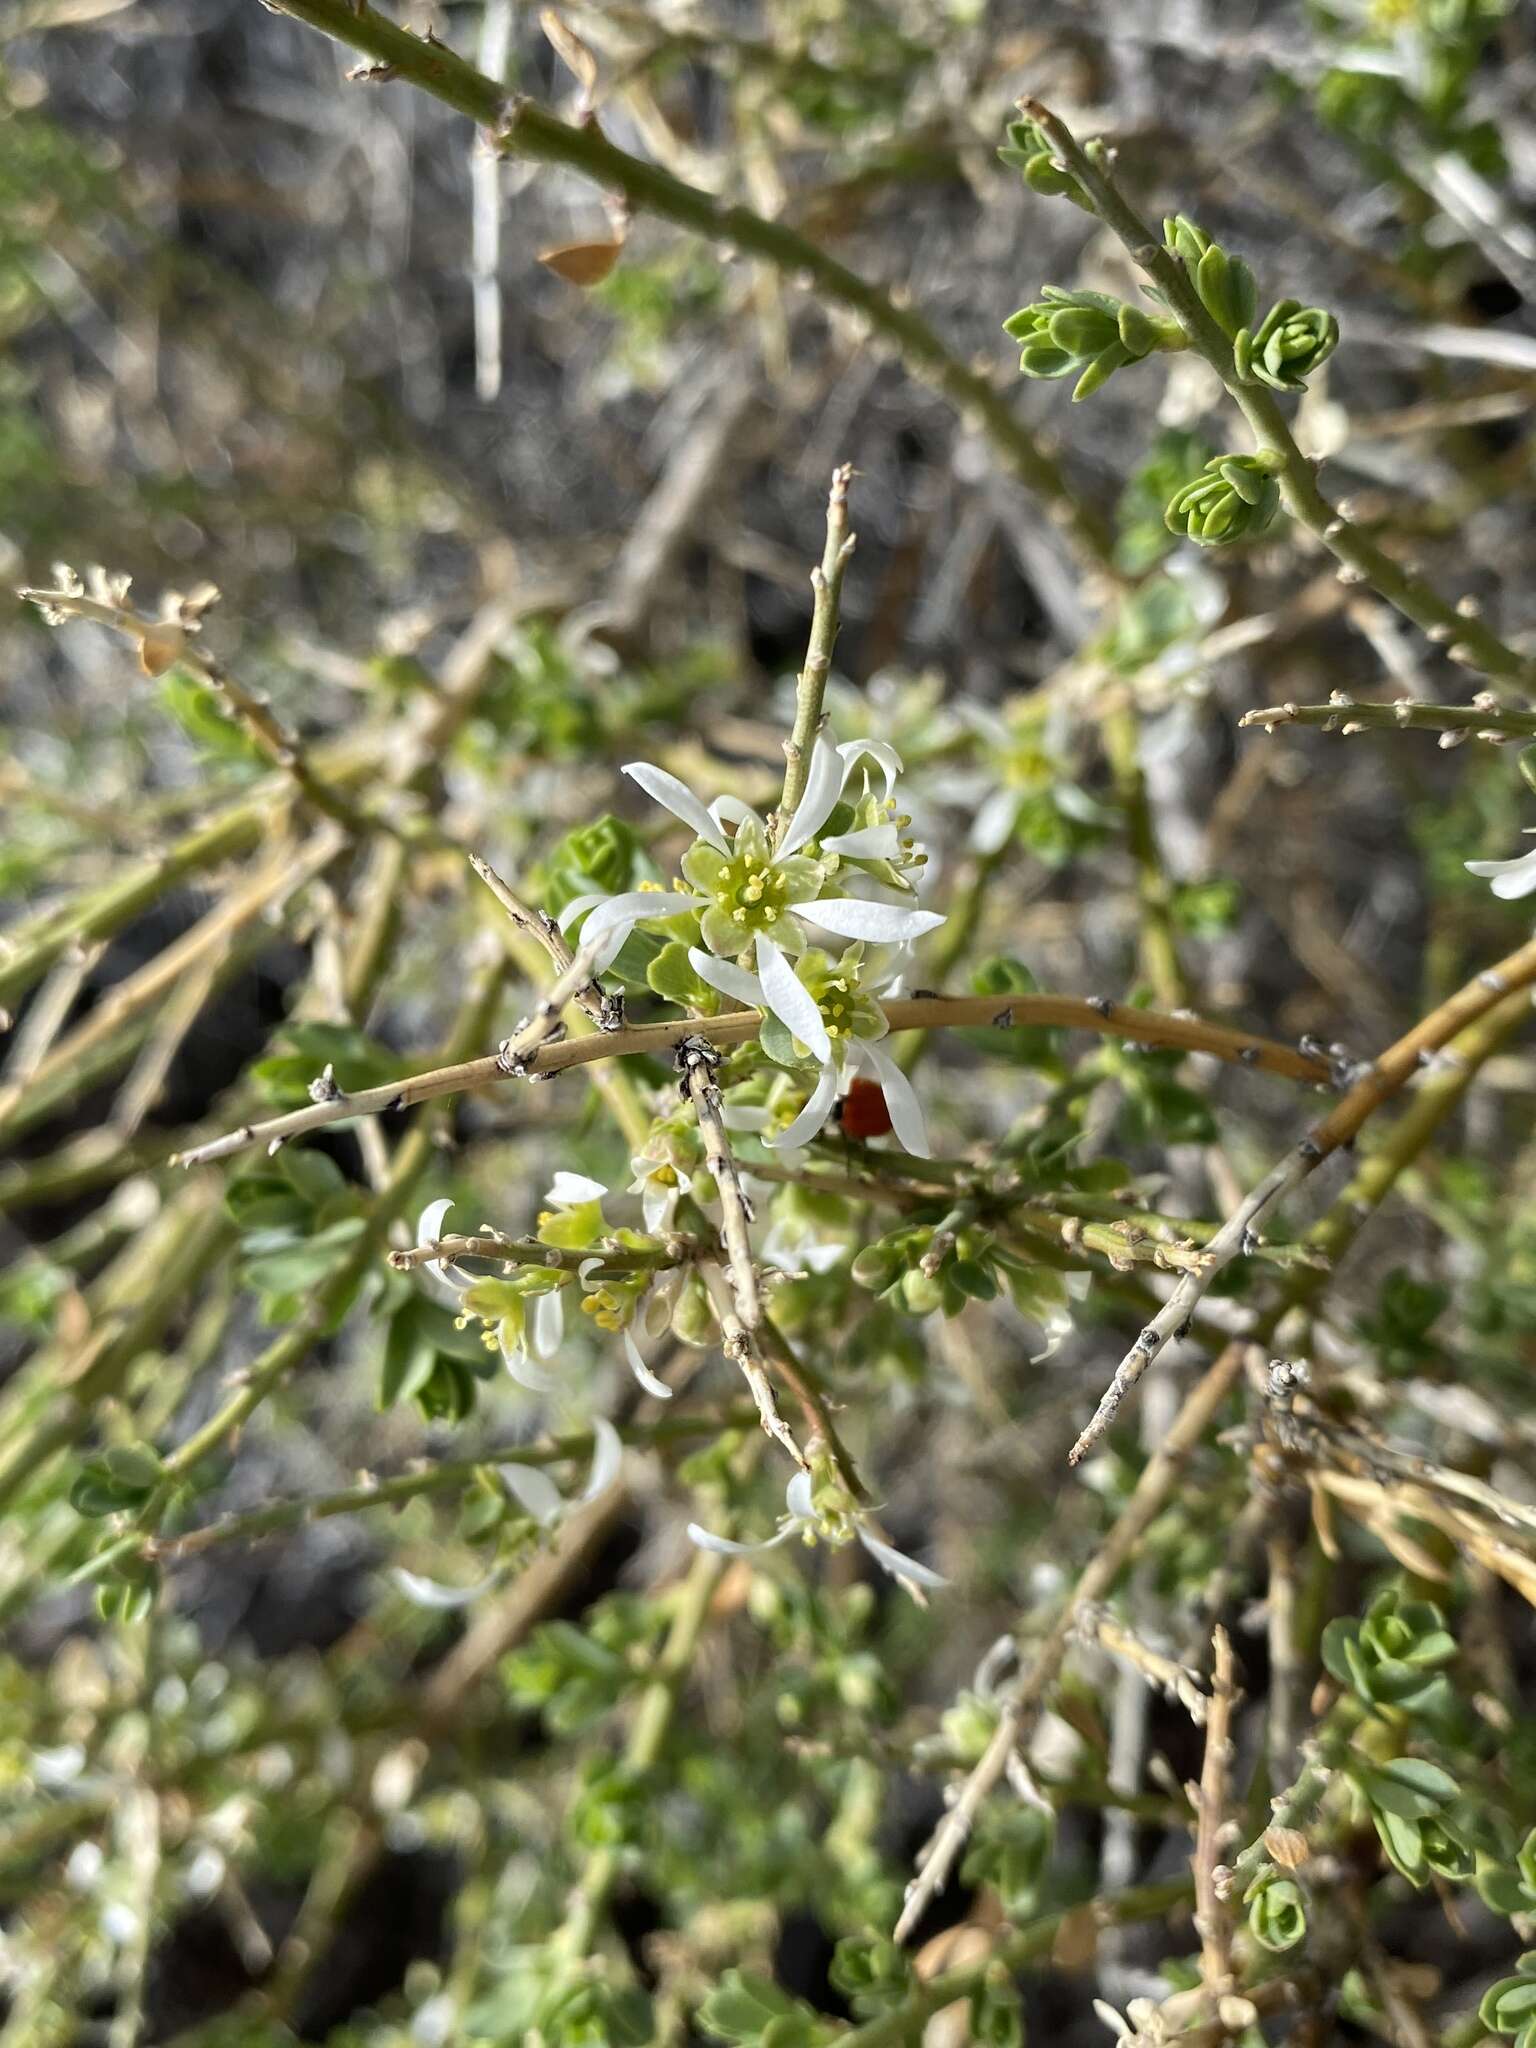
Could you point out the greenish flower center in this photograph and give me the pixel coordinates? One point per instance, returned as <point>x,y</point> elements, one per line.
<point>750,891</point>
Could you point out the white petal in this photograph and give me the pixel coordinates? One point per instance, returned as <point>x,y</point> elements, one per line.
<point>739,813</point>
<point>1510,878</point>
<point>814,1114</point>
<point>515,1358</point>
<point>852,918</point>
<point>430,1593</point>
<point>429,1225</point>
<point>547,1323</point>
<point>658,1206</point>
<point>632,908</point>
<point>658,1388</point>
<point>706,1539</point>
<point>607,1457</point>
<point>881,752</point>
<point>570,1188</point>
<point>823,787</point>
<point>907,1119</point>
<point>744,1116</point>
<point>534,1491</point>
<point>798,1498</point>
<point>725,975</point>
<point>872,842</point>
<point>994,822</point>
<point>897,1563</point>
<point>790,1000</point>
<point>678,798</point>
<point>577,905</point>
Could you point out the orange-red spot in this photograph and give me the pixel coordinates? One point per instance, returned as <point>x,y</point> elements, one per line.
<point>862,1112</point>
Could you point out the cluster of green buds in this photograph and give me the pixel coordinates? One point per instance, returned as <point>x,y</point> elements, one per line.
<point>1235,497</point>
<point>1291,342</point>
<point>1088,333</point>
<point>1223,283</point>
<point>1028,151</point>
<point>1509,2007</point>
<point>1395,1656</point>
<point>1277,1910</point>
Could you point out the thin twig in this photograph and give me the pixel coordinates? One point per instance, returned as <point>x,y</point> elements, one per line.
<point>1383,1079</point>
<point>1021,1710</point>
<point>1213,1881</point>
<point>738,1027</point>
<point>811,686</point>
<point>522,128</point>
<point>605,1011</point>
<point>1483,719</point>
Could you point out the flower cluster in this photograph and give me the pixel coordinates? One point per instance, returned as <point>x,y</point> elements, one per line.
<point>750,901</point>
<point>1233,498</point>
<point>1086,333</point>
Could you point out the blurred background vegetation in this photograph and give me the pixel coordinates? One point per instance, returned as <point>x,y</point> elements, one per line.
<point>482,534</point>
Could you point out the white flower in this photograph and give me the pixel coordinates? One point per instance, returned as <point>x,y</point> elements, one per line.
<point>1511,879</point>
<point>790,1249</point>
<point>802,1520</point>
<point>531,1487</point>
<point>539,1497</point>
<point>842,1046</point>
<point>660,1187</point>
<point>746,887</point>
<point>658,1388</point>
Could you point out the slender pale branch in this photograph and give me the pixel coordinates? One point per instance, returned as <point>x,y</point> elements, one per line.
<point>1457,628</point>
<point>739,1027</point>
<point>1022,1708</point>
<point>1378,1084</point>
<point>606,1011</point>
<point>1483,719</point>
<point>675,1250</point>
<point>1213,1915</point>
<point>524,129</point>
<point>811,686</point>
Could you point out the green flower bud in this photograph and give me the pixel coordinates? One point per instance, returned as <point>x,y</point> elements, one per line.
<point>693,1320</point>
<point>1291,342</point>
<point>448,1392</point>
<point>920,1293</point>
<point>876,1266</point>
<point>1277,1911</point>
<point>1233,498</point>
<point>1445,1852</point>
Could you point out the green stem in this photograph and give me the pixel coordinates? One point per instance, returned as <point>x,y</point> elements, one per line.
<point>1480,721</point>
<point>1158,942</point>
<point>524,129</point>
<point>1466,639</point>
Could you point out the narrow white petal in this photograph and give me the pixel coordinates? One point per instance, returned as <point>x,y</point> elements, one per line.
<point>706,1539</point>
<point>429,1225</point>
<point>733,809</point>
<point>632,908</point>
<point>515,1358</point>
<point>576,906</point>
<point>881,752</point>
<point>852,918</point>
<point>547,1324</point>
<point>744,1116</point>
<point>897,1563</point>
<point>823,787</point>
<point>430,1593</point>
<point>814,1114</point>
<point>658,1206</point>
<point>871,842</point>
<point>994,822</point>
<point>907,1119</point>
<point>657,1388</point>
<point>1510,879</point>
<point>607,1457</point>
<point>534,1491</point>
<point>790,1000</point>
<point>798,1498</point>
<point>728,978</point>
<point>570,1188</point>
<point>678,798</point>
